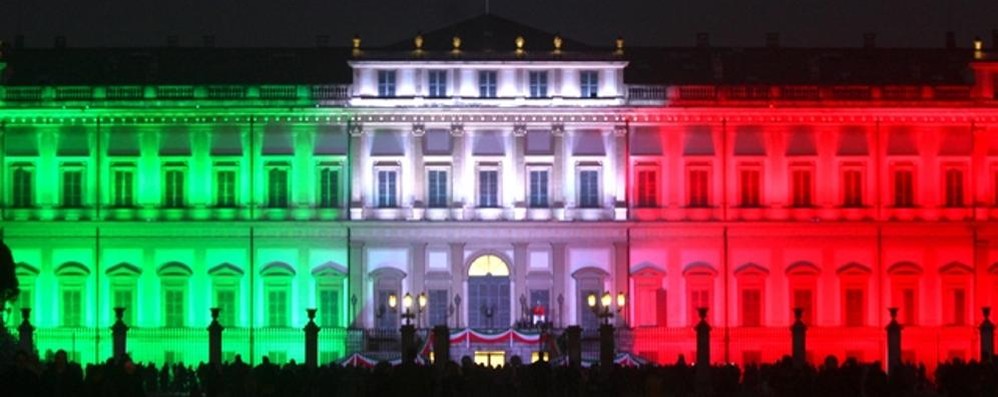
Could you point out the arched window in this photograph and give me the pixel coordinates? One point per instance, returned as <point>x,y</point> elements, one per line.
<point>225,281</point>
<point>72,278</point>
<point>27,275</point>
<point>904,281</point>
<point>588,281</point>
<point>387,281</point>
<point>488,292</point>
<point>124,281</point>
<point>751,294</point>
<point>174,278</point>
<point>699,285</point>
<point>329,283</point>
<point>803,292</point>
<point>277,277</point>
<point>956,280</point>
<point>854,280</point>
<point>650,299</point>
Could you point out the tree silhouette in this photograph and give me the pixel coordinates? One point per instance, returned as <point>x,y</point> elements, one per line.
<point>8,281</point>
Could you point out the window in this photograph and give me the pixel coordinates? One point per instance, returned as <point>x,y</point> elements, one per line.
<point>488,188</point>
<point>387,189</point>
<point>647,188</point>
<point>329,187</point>
<point>225,299</point>
<point>959,306</point>
<point>23,193</point>
<point>539,188</point>
<point>749,179</point>
<point>72,308</point>
<point>437,197</point>
<point>72,187</point>
<point>589,189</point>
<point>277,308</point>
<point>855,305</point>
<point>225,188</point>
<point>173,192</point>
<point>698,188</point>
<point>173,313</point>
<point>487,84</point>
<point>277,187</point>
<point>954,188</point>
<point>122,187</point>
<point>852,188</point>
<point>589,83</point>
<point>123,297</point>
<point>908,306</point>
<point>803,299</point>
<point>538,84</point>
<point>904,192</point>
<point>386,83</point>
<point>438,307</point>
<point>438,83</point>
<point>803,187</point>
<point>329,307</point>
<point>699,297</point>
<point>24,300</point>
<point>751,307</point>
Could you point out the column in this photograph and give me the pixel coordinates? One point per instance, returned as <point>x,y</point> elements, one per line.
<point>621,277</point>
<point>417,258</point>
<point>356,274</point>
<point>519,165</point>
<point>458,179</point>
<point>558,180</point>
<point>560,278</point>
<point>417,171</point>
<point>520,278</point>
<point>619,162</point>
<point>457,281</point>
<point>358,161</point>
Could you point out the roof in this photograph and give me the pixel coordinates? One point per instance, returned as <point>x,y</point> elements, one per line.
<point>488,37</point>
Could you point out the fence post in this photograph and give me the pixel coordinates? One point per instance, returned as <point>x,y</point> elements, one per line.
<point>893,342</point>
<point>441,346</point>
<point>311,340</point>
<point>119,334</point>
<point>215,338</point>
<point>987,336</point>
<point>799,331</point>
<point>574,336</point>
<point>26,332</point>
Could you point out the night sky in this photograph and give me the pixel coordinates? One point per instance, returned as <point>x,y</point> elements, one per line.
<point>905,23</point>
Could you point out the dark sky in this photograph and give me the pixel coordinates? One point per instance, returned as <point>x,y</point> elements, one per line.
<point>907,23</point>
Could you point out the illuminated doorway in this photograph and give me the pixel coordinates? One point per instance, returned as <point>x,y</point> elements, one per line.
<point>488,293</point>
<point>490,358</point>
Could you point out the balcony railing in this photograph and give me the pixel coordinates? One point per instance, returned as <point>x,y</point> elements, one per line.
<point>62,94</point>
<point>759,94</point>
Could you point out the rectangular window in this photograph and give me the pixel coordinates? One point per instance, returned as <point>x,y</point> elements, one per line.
<point>24,300</point>
<point>72,308</point>
<point>908,307</point>
<point>589,189</point>
<point>539,189</point>
<point>487,84</point>
<point>804,300</point>
<point>277,308</point>
<point>749,179</point>
<point>661,307</point>
<point>437,193</point>
<point>329,307</point>
<point>540,305</point>
<point>751,307</point>
<point>852,188</point>
<point>174,310</point>
<point>904,190</point>
<point>277,187</point>
<point>854,307</point>
<point>123,188</point>
<point>699,297</point>
<point>698,188</point>
<point>488,188</point>
<point>173,192</point>
<point>23,194</point>
<point>647,188</point>
<point>954,188</point>
<point>438,307</point>
<point>384,317</point>
<point>959,306</point>
<point>329,187</point>
<point>387,189</point>
<point>589,83</point>
<point>438,83</point>
<point>72,188</point>
<point>122,297</point>
<point>538,84</point>
<point>386,83</point>
<point>225,299</point>
<point>803,186</point>
<point>225,188</point>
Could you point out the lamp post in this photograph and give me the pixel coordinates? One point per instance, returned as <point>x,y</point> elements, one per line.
<point>605,311</point>
<point>407,330</point>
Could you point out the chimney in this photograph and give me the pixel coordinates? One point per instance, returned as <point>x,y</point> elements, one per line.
<point>869,40</point>
<point>703,40</point>
<point>173,41</point>
<point>950,40</point>
<point>772,40</point>
<point>19,41</point>
<point>322,40</point>
<point>208,40</point>
<point>60,42</point>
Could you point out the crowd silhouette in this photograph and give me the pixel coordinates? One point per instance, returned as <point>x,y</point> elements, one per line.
<point>55,375</point>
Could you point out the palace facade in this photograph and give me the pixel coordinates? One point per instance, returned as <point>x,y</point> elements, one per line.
<point>506,173</point>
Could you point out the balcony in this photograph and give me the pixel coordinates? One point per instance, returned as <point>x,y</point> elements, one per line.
<point>768,95</point>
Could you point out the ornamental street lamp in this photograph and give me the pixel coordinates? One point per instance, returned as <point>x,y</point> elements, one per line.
<point>604,308</point>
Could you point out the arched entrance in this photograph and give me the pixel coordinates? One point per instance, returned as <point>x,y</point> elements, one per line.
<point>488,292</point>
